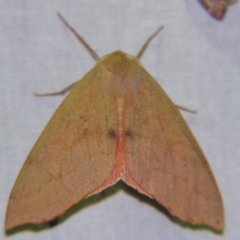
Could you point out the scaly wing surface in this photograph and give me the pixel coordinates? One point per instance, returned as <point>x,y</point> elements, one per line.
<point>165,160</point>
<point>73,158</point>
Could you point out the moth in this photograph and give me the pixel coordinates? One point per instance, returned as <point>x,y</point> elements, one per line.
<point>117,123</point>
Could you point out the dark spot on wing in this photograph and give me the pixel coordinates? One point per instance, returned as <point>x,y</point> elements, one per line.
<point>112,134</point>
<point>128,134</point>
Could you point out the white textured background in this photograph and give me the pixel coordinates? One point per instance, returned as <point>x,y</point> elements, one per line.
<point>197,61</point>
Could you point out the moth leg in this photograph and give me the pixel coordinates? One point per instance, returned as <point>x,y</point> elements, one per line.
<point>185,109</point>
<point>83,41</point>
<point>63,91</point>
<point>141,51</point>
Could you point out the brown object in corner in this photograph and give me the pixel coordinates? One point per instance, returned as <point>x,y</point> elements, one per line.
<point>217,8</point>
